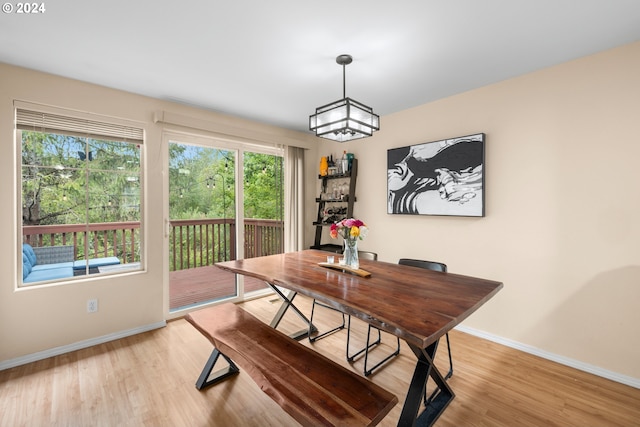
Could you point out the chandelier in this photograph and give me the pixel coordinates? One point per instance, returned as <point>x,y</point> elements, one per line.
<point>345,119</point>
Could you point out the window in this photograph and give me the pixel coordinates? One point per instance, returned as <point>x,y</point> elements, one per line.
<point>81,196</point>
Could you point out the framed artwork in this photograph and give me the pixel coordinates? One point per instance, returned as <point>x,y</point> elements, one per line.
<point>437,178</point>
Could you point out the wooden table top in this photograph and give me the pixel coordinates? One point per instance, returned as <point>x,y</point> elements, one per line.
<point>415,304</point>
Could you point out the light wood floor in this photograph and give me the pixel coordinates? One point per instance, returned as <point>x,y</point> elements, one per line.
<point>148,380</point>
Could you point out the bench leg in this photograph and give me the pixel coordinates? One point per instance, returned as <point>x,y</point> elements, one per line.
<point>204,381</point>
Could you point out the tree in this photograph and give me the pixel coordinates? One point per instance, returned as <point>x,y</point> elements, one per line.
<point>70,179</point>
<point>202,182</point>
<point>263,186</point>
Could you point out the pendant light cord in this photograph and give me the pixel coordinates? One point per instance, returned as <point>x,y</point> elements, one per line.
<point>344,81</point>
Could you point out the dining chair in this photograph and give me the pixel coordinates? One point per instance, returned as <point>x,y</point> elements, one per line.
<point>440,267</point>
<point>361,255</point>
<point>351,357</point>
<point>369,345</point>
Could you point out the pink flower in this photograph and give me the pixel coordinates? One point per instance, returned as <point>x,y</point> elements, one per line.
<point>349,228</point>
<point>349,222</point>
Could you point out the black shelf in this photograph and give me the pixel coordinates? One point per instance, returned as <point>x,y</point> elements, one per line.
<point>324,224</point>
<point>348,199</point>
<point>344,200</point>
<point>337,176</point>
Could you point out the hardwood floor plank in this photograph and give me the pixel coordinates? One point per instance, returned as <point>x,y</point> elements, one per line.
<point>149,380</point>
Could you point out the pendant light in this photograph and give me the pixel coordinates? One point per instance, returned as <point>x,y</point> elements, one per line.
<point>345,119</point>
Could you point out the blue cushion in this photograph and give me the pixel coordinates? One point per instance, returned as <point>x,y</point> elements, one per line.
<point>40,267</point>
<point>28,251</point>
<point>26,266</point>
<point>95,262</point>
<point>52,274</point>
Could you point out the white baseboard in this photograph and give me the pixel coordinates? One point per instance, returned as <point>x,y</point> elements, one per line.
<point>23,360</point>
<point>613,376</point>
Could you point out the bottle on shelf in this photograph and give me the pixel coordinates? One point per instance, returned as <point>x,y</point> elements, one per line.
<point>324,166</point>
<point>344,162</point>
<point>350,158</point>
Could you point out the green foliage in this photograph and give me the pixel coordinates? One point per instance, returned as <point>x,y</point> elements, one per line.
<point>263,186</point>
<point>196,178</point>
<point>69,180</point>
<point>202,184</point>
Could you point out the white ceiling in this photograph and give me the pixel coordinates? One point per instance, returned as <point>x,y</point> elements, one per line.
<point>274,61</point>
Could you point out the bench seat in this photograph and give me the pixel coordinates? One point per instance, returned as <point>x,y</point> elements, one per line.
<point>313,389</point>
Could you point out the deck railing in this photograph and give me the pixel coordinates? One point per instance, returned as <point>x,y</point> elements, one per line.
<point>201,242</point>
<point>192,243</point>
<point>119,239</point>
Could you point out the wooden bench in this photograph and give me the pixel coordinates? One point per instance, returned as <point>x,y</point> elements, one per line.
<point>313,389</point>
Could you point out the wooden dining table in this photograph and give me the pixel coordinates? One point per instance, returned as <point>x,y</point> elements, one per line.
<point>417,305</point>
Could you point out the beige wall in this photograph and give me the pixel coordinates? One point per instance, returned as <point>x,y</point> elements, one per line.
<point>562,205</point>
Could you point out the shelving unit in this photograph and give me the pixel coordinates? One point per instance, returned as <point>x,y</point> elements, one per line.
<point>345,201</point>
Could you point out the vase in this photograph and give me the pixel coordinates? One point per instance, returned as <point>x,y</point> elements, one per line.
<point>351,253</point>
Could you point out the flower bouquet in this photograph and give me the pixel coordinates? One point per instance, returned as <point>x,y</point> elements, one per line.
<point>351,230</point>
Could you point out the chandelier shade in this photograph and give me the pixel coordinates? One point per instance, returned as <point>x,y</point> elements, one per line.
<point>345,119</point>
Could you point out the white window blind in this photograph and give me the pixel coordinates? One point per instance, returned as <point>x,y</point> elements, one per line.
<point>54,123</point>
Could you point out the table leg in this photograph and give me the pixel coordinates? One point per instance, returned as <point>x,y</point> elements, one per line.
<point>425,368</point>
<point>287,302</point>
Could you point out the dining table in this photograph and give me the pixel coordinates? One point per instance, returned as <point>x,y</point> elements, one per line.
<point>417,305</point>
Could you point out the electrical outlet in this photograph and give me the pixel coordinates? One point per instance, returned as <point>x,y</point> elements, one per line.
<point>92,305</point>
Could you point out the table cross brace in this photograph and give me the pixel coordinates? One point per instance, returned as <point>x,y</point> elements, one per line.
<point>425,368</point>
<point>287,302</point>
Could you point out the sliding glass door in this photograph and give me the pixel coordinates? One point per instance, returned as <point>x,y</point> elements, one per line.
<point>263,209</point>
<point>207,226</point>
<point>202,224</point>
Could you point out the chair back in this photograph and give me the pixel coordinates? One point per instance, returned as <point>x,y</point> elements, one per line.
<point>371,256</point>
<point>429,265</point>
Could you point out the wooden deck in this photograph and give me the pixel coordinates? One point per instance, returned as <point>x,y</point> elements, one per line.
<point>203,284</point>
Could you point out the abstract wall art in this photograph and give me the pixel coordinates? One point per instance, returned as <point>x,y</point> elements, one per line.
<point>437,178</point>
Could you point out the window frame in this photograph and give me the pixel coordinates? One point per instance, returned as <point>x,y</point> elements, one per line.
<point>93,127</point>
